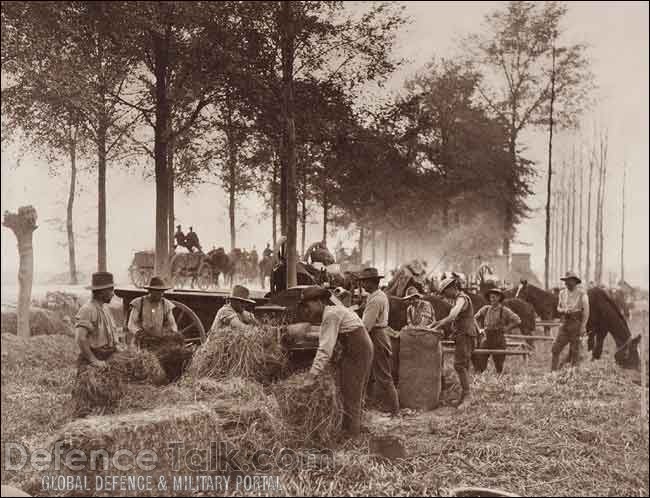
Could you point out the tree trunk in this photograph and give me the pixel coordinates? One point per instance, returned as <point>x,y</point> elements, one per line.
<point>588,245</point>
<point>508,214</point>
<point>373,239</point>
<point>361,243</point>
<point>23,225</point>
<point>562,224</point>
<point>72,260</point>
<point>573,217</point>
<point>170,222</point>
<point>161,138</point>
<point>623,223</point>
<point>580,216</point>
<point>397,251</point>
<point>274,202</point>
<point>303,210</point>
<point>232,178</point>
<point>101,195</point>
<point>547,241</point>
<point>283,185</point>
<point>325,214</point>
<point>288,53</point>
<point>386,252</point>
<point>601,208</point>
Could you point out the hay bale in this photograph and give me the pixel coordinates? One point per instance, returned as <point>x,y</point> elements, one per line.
<point>193,425</point>
<point>102,389</point>
<point>51,352</point>
<point>254,354</point>
<point>314,413</point>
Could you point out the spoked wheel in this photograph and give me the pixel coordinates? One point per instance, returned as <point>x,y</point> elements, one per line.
<point>204,277</point>
<point>137,277</point>
<point>189,325</point>
<point>179,280</point>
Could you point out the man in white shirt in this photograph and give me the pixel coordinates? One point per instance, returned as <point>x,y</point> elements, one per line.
<point>573,306</point>
<point>375,319</point>
<point>341,325</point>
<point>234,314</point>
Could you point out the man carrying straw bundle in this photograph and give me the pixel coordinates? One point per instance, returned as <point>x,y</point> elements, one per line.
<point>461,318</point>
<point>234,314</point>
<point>573,306</point>
<point>153,327</point>
<point>497,321</point>
<point>341,325</point>
<point>95,330</point>
<point>375,319</point>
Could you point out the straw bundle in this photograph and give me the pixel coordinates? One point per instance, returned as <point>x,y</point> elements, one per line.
<point>251,354</point>
<point>313,412</point>
<point>102,389</point>
<point>153,430</point>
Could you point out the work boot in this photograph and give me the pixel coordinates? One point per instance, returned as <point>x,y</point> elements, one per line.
<point>555,362</point>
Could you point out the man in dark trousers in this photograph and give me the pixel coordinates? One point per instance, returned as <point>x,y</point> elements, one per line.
<point>497,321</point>
<point>340,325</point>
<point>179,237</point>
<point>375,319</point>
<point>461,319</point>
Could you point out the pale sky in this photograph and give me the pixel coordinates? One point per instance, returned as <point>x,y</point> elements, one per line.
<point>617,33</point>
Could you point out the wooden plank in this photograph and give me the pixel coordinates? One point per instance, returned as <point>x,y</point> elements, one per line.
<point>553,323</point>
<point>507,352</point>
<point>529,337</point>
<point>509,344</point>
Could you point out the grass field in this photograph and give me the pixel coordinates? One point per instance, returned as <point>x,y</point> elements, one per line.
<point>577,432</point>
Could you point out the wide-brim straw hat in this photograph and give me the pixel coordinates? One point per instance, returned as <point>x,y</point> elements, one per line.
<point>571,275</point>
<point>241,293</point>
<point>101,280</point>
<point>157,283</point>
<point>446,283</point>
<point>314,293</point>
<point>370,274</point>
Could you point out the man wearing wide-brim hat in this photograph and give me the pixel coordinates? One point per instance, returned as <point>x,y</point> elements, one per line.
<point>375,319</point>
<point>234,313</point>
<point>153,327</point>
<point>573,307</point>
<point>95,329</point>
<point>497,320</point>
<point>340,325</point>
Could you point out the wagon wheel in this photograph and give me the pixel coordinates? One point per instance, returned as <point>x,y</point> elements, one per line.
<point>204,276</point>
<point>179,280</point>
<point>136,277</point>
<point>146,276</point>
<point>188,324</point>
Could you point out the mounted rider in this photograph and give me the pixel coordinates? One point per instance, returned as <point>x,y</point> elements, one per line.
<point>192,241</point>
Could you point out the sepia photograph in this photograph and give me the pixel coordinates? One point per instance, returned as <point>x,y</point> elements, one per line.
<point>325,248</point>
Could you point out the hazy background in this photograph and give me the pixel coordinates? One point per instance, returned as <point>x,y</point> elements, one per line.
<point>618,35</point>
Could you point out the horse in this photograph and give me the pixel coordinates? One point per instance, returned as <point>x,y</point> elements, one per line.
<point>604,317</point>
<point>221,264</point>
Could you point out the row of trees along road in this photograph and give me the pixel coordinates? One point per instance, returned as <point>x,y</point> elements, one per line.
<point>264,97</point>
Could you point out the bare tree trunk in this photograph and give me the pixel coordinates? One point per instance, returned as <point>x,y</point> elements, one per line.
<point>325,214</point>
<point>547,242</point>
<point>101,195</point>
<point>274,202</point>
<point>232,176</point>
<point>601,206</point>
<point>623,223</point>
<point>283,185</point>
<point>303,210</point>
<point>373,238</point>
<point>588,245</point>
<point>562,223</point>
<point>288,53</point>
<point>386,252</point>
<point>573,215</point>
<point>361,243</point>
<point>161,139</point>
<point>581,216</point>
<point>397,251</point>
<point>170,223</point>
<point>72,260</point>
<point>23,225</point>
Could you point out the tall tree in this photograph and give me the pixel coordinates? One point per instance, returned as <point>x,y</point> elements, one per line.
<point>588,251</point>
<point>515,49</point>
<point>623,221</point>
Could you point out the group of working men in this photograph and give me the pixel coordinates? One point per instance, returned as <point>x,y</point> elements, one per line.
<point>365,342</point>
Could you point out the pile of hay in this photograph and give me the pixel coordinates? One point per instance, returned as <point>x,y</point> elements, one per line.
<point>314,413</point>
<point>41,322</point>
<point>255,354</point>
<point>102,389</point>
<point>194,426</point>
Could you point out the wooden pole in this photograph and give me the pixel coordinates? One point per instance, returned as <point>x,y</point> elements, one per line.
<point>623,224</point>
<point>547,241</point>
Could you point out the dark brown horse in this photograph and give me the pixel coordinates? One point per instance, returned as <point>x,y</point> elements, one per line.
<point>604,318</point>
<point>221,265</point>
